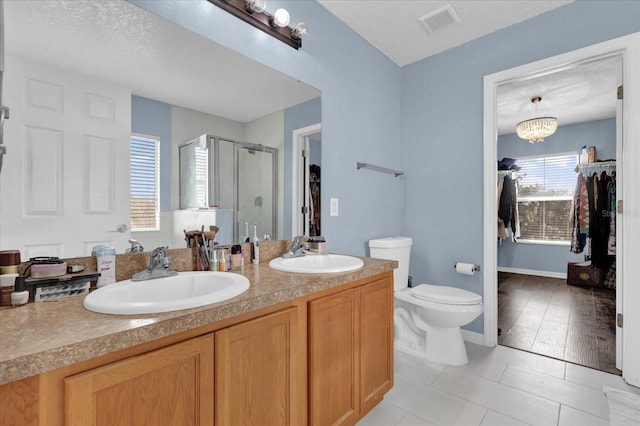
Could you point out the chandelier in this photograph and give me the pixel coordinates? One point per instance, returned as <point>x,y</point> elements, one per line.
<point>536,129</point>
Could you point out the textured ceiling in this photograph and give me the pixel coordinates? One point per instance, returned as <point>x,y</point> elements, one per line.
<point>123,44</point>
<point>581,93</point>
<point>394,28</point>
<point>118,42</point>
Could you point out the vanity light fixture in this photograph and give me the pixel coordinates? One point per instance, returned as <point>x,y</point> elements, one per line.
<point>536,129</point>
<point>254,12</point>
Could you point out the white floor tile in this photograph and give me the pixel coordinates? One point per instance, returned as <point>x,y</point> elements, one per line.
<point>597,379</point>
<point>383,414</point>
<point>411,420</point>
<point>415,369</point>
<point>577,396</point>
<point>433,405</point>
<point>503,399</point>
<point>496,419</point>
<point>530,361</point>
<point>500,386</point>
<point>572,417</point>
<point>486,367</point>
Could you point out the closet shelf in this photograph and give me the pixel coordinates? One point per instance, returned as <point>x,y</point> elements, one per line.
<point>396,173</point>
<point>598,166</point>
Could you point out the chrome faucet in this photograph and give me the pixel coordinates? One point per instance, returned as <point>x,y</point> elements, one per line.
<point>297,247</point>
<point>136,247</point>
<point>159,266</point>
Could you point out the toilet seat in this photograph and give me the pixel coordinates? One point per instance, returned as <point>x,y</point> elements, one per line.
<point>445,295</point>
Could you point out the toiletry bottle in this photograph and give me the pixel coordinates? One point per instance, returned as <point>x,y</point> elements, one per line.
<point>246,238</point>
<point>106,264</point>
<point>255,252</point>
<point>222,262</point>
<point>236,256</point>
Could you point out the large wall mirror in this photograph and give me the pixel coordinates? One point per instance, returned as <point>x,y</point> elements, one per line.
<point>83,77</point>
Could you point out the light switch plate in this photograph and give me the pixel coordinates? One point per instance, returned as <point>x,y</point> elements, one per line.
<point>334,207</point>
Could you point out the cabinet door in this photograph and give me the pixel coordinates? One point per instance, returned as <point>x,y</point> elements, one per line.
<point>169,386</point>
<point>376,342</point>
<point>333,359</point>
<point>258,371</point>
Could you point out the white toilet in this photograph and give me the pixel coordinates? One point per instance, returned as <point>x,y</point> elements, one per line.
<point>427,318</point>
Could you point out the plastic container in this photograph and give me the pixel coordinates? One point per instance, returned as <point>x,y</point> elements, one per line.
<point>106,264</point>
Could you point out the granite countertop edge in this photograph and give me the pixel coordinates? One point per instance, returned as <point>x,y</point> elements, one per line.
<point>25,350</point>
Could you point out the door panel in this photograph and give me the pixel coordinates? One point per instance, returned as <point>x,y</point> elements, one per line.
<point>65,180</point>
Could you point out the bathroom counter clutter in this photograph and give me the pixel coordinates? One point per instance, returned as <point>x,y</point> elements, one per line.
<point>40,337</point>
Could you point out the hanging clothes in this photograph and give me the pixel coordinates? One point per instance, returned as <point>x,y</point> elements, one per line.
<point>601,224</point>
<point>502,229</point>
<point>314,200</point>
<point>611,245</point>
<point>508,207</point>
<point>593,217</point>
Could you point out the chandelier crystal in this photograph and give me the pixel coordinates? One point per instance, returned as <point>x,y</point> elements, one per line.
<point>536,129</point>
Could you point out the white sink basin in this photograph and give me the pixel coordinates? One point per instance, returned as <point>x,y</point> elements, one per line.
<point>317,263</point>
<point>185,290</point>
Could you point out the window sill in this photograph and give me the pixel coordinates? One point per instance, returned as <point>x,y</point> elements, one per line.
<point>545,242</point>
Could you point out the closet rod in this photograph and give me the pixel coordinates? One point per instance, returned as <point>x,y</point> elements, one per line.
<point>360,165</point>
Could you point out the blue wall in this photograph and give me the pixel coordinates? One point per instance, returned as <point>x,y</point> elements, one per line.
<point>153,118</point>
<point>546,257</point>
<point>570,138</point>
<point>425,119</point>
<point>443,125</point>
<point>361,107</point>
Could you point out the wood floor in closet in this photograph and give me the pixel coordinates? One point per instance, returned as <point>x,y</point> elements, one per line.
<point>548,317</point>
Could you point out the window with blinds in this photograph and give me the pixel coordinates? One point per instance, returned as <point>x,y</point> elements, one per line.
<point>201,177</point>
<point>145,183</point>
<point>545,192</point>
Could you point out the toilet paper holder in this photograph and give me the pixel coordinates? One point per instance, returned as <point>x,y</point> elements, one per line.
<point>476,267</point>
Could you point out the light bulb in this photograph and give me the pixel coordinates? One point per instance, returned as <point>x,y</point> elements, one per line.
<point>300,30</point>
<point>256,5</point>
<point>281,18</point>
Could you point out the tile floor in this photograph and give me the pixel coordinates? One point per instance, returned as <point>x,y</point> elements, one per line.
<point>500,386</point>
<point>548,317</point>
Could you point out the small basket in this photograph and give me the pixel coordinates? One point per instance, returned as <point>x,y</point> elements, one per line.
<point>584,275</point>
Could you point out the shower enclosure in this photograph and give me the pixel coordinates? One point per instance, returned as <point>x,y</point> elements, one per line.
<point>227,174</point>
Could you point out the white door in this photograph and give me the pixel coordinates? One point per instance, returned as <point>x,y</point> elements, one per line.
<point>64,186</point>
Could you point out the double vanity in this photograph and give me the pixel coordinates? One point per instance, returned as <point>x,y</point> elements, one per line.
<point>308,347</point>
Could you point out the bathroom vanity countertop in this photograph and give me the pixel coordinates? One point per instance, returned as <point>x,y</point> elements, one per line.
<point>43,336</point>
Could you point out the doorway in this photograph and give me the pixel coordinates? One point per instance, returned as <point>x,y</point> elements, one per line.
<point>540,310</point>
<point>627,48</point>
<point>306,181</point>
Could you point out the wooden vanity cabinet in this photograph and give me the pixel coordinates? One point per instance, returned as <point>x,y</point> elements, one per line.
<point>350,352</point>
<point>321,359</point>
<point>259,372</point>
<point>252,375</point>
<point>168,386</point>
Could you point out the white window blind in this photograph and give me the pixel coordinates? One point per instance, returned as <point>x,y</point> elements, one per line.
<point>202,177</point>
<point>545,192</point>
<point>145,183</point>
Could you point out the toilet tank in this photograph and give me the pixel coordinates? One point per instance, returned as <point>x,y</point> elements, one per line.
<point>394,248</point>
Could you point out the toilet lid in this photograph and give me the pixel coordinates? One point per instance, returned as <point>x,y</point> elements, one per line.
<point>446,295</point>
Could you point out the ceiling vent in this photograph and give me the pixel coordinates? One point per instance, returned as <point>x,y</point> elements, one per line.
<point>439,19</point>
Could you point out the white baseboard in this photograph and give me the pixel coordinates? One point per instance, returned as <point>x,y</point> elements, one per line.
<point>473,337</point>
<point>548,274</point>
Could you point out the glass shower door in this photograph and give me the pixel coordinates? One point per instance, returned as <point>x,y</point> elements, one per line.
<point>256,190</point>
